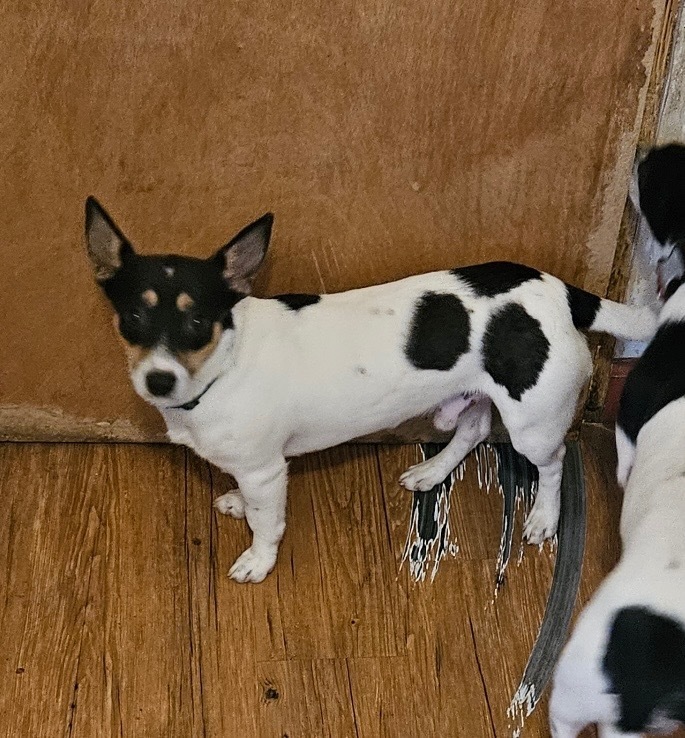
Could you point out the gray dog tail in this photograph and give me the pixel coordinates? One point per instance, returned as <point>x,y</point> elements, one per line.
<point>592,313</point>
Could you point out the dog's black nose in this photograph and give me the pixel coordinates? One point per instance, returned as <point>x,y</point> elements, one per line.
<point>160,383</point>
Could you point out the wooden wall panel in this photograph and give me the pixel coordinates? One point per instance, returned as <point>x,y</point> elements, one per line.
<point>388,136</point>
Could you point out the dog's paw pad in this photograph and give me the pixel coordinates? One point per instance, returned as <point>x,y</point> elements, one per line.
<point>232,504</point>
<point>423,476</point>
<point>540,525</point>
<point>252,567</point>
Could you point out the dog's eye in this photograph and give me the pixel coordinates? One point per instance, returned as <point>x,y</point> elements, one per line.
<point>134,326</point>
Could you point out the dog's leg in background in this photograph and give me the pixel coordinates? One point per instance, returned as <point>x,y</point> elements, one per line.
<point>625,449</point>
<point>609,731</point>
<point>264,491</point>
<point>232,503</point>
<point>473,426</point>
<point>561,729</point>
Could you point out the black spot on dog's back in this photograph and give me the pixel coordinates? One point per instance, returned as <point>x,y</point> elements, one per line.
<point>439,332</point>
<point>514,349</point>
<point>297,301</point>
<point>583,305</point>
<point>657,379</point>
<point>495,277</point>
<point>645,665</point>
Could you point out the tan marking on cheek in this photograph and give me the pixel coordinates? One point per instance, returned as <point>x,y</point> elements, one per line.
<point>150,298</point>
<point>134,354</point>
<point>194,360</point>
<point>184,302</point>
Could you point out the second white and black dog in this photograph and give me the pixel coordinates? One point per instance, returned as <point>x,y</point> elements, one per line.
<point>624,666</point>
<point>247,382</point>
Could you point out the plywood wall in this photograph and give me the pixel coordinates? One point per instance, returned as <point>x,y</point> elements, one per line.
<point>388,136</point>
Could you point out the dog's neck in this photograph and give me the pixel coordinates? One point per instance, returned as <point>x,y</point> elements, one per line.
<point>654,501</point>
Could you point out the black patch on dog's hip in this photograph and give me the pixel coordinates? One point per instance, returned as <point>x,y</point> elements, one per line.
<point>514,349</point>
<point>439,332</point>
<point>495,277</point>
<point>583,305</point>
<point>297,301</point>
<point>645,665</point>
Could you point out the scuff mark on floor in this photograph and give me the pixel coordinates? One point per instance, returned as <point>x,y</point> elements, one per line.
<point>430,537</point>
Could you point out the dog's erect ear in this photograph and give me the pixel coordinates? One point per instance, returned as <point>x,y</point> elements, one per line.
<point>242,256</point>
<point>106,243</point>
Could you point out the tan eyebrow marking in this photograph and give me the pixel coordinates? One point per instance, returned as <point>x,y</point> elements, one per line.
<point>193,360</point>
<point>184,301</point>
<point>150,298</point>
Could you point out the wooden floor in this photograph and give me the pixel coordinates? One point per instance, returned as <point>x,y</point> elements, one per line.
<point>117,617</point>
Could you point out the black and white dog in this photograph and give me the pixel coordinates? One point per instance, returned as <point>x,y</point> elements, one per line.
<point>248,382</point>
<point>624,667</point>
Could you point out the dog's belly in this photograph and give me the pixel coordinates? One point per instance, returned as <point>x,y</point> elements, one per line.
<point>332,428</point>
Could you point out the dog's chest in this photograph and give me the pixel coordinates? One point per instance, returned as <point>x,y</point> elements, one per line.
<point>212,439</point>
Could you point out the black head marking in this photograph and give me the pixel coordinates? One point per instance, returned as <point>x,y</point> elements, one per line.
<point>178,301</point>
<point>297,301</point>
<point>514,349</point>
<point>657,379</point>
<point>439,332</point>
<point>645,665</point>
<point>495,277</point>
<point>584,306</point>
<point>661,182</point>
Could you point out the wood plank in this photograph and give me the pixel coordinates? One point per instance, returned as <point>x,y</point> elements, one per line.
<point>300,699</point>
<point>136,660</point>
<point>448,697</point>
<point>337,556</point>
<point>223,678</point>
<point>48,531</point>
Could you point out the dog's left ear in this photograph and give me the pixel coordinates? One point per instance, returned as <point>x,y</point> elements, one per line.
<point>107,245</point>
<point>242,256</point>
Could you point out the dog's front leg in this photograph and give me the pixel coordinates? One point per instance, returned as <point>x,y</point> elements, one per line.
<point>264,493</point>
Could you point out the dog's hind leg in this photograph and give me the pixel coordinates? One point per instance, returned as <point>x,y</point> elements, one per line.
<point>543,445</point>
<point>543,519</point>
<point>473,427</point>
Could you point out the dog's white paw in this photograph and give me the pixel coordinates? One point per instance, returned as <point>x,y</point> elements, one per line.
<point>232,504</point>
<point>540,524</point>
<point>252,567</point>
<point>424,476</point>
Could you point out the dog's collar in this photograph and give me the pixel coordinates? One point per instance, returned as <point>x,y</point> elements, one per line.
<point>195,401</point>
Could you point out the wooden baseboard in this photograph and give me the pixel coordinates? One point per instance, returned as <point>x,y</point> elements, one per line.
<point>620,369</point>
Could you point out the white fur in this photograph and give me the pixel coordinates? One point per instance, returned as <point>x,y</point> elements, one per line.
<point>290,382</point>
<point>651,573</point>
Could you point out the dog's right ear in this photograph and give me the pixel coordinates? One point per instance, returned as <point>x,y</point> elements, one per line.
<point>106,244</point>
